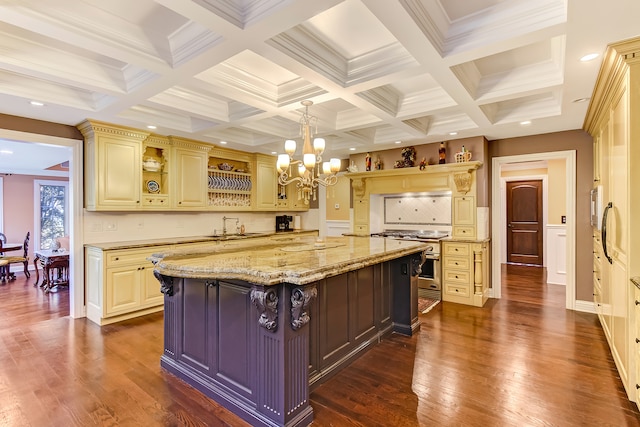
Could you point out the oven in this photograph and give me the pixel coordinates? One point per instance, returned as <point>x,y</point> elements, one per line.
<point>429,279</point>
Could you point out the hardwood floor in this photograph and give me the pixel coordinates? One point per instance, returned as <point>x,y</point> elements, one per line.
<point>520,361</point>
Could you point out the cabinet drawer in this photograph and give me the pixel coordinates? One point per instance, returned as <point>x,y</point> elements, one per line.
<point>456,263</point>
<point>361,229</point>
<point>127,257</point>
<point>149,201</point>
<point>459,249</point>
<point>464,232</point>
<point>457,290</point>
<point>457,276</point>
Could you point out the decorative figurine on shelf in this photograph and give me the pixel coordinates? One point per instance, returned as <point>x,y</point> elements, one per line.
<point>442,154</point>
<point>409,156</point>
<point>423,163</point>
<point>463,156</point>
<point>353,167</point>
<point>378,164</point>
<point>367,162</point>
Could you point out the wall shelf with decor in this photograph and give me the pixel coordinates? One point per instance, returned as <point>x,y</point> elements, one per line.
<point>155,175</point>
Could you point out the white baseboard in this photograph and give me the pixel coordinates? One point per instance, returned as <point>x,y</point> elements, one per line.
<point>585,306</point>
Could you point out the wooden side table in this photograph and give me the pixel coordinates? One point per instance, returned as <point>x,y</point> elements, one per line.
<point>55,268</point>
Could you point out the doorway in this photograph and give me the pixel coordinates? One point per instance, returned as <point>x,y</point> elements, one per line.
<point>76,264</point>
<point>498,218</point>
<point>524,226</point>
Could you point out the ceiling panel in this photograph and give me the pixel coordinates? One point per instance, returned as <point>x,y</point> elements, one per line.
<point>378,71</point>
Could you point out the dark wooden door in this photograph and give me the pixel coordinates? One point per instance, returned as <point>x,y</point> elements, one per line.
<point>524,222</point>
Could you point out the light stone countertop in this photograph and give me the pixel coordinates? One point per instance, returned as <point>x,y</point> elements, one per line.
<point>298,262</point>
<point>133,244</point>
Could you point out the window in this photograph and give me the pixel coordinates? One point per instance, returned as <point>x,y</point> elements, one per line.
<point>51,206</point>
<point>1,206</point>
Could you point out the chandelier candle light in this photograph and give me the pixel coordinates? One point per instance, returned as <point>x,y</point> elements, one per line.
<point>312,171</point>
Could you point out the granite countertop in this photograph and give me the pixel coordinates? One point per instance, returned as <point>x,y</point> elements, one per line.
<point>133,244</point>
<point>300,262</point>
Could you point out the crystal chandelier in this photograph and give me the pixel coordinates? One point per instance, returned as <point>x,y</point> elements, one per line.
<point>312,171</point>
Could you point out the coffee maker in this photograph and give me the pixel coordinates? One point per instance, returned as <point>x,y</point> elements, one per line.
<point>284,223</point>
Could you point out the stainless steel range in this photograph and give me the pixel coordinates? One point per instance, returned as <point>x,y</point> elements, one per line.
<point>429,284</point>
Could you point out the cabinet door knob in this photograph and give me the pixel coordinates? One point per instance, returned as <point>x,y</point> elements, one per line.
<point>637,302</point>
<point>637,341</point>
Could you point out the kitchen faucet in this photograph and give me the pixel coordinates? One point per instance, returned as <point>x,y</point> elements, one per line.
<point>224,224</point>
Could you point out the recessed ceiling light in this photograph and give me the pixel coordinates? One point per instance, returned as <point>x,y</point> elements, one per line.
<point>525,122</point>
<point>352,149</point>
<point>453,133</point>
<point>151,127</point>
<point>398,142</point>
<point>581,100</point>
<point>36,103</point>
<point>223,142</point>
<point>6,152</point>
<point>589,57</point>
<point>274,152</point>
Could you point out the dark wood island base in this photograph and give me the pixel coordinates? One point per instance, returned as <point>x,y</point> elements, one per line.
<point>259,349</point>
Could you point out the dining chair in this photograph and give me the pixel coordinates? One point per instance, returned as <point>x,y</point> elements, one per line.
<point>3,239</point>
<point>4,265</point>
<point>24,259</point>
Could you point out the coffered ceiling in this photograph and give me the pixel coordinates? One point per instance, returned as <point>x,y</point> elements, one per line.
<point>378,71</point>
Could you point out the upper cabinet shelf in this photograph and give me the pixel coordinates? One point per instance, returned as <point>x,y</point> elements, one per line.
<point>128,170</point>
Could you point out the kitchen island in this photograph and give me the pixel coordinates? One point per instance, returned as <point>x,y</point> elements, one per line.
<point>256,328</point>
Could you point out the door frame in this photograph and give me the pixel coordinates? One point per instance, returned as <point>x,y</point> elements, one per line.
<point>76,250</point>
<point>498,206</point>
<point>503,212</point>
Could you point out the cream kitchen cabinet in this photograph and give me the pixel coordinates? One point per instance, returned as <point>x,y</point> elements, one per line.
<point>465,272</point>
<point>112,166</point>
<point>190,174</point>
<point>464,217</point>
<point>611,121</point>
<point>120,284</point>
<point>266,183</point>
<point>361,216</point>
<point>288,197</point>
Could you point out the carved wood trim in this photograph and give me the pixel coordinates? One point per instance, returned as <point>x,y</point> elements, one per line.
<point>358,187</point>
<point>463,181</point>
<point>166,283</point>
<point>267,304</point>
<point>416,263</point>
<point>477,276</point>
<point>300,299</point>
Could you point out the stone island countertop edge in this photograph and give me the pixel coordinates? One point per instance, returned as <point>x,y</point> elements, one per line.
<point>299,263</point>
<point>143,243</point>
